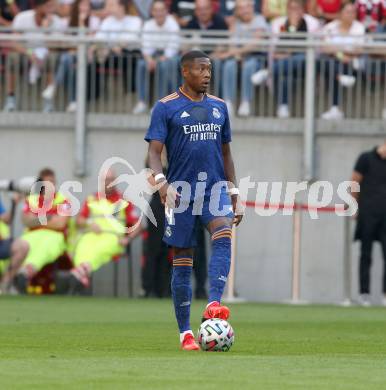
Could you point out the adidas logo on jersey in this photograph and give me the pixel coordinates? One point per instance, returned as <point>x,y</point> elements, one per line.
<point>184,115</point>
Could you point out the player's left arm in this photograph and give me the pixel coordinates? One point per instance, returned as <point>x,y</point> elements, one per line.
<point>230,175</point>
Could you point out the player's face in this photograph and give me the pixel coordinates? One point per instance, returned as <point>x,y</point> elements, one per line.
<point>198,74</point>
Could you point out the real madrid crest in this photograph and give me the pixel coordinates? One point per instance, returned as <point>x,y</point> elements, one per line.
<point>216,113</point>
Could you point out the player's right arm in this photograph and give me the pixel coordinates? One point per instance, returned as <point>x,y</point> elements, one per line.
<point>154,155</point>
<point>156,136</point>
<point>167,193</point>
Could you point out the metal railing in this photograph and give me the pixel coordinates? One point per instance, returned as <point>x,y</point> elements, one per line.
<point>304,77</point>
<point>112,82</point>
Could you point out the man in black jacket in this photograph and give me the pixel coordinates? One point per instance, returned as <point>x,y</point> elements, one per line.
<point>370,173</point>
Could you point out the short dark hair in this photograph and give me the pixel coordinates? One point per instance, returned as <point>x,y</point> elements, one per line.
<point>300,3</point>
<point>192,55</point>
<point>39,3</point>
<point>45,172</point>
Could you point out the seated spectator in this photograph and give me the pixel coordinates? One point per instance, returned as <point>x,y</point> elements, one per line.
<point>6,248</point>
<point>247,25</point>
<point>204,17</point>
<point>287,66</point>
<point>118,26</point>
<point>160,45</point>
<point>272,9</point>
<point>63,8</point>
<point>227,10</point>
<point>183,11</point>
<point>345,60</point>
<point>44,240</point>
<point>42,16</point>
<point>103,218</point>
<point>206,20</point>
<point>9,9</point>
<point>115,56</point>
<point>327,10</point>
<point>81,17</point>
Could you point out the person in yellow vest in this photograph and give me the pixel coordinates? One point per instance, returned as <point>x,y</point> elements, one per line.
<point>6,248</point>
<point>104,219</point>
<point>45,239</point>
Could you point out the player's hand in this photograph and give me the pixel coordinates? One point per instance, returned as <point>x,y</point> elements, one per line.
<point>238,210</point>
<point>169,196</point>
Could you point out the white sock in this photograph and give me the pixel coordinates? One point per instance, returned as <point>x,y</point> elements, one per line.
<point>182,335</point>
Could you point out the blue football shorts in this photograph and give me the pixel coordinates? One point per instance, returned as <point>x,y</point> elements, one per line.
<point>180,223</point>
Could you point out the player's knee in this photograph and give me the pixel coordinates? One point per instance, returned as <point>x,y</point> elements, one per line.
<point>182,252</point>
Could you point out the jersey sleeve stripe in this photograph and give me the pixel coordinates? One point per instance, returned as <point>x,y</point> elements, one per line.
<point>215,98</point>
<point>169,97</point>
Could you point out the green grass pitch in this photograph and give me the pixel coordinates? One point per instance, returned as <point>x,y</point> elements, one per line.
<point>76,343</point>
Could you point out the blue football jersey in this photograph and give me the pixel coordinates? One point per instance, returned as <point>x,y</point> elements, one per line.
<point>193,133</point>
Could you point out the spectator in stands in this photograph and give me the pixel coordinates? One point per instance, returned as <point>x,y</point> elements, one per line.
<point>370,173</point>
<point>5,241</point>
<point>206,20</point>
<point>272,9</point>
<point>326,10</point>
<point>227,10</point>
<point>45,238</point>
<point>80,17</point>
<point>118,25</point>
<point>6,248</point>
<point>183,11</point>
<point>121,31</point>
<point>287,66</point>
<point>160,46</point>
<point>345,60</point>
<point>103,220</point>
<point>247,25</point>
<point>381,29</point>
<point>9,9</point>
<point>63,8</point>
<point>42,16</point>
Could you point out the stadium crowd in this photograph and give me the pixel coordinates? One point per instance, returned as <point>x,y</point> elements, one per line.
<point>156,25</point>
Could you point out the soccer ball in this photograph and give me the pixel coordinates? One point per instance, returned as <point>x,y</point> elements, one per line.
<point>215,335</point>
